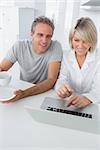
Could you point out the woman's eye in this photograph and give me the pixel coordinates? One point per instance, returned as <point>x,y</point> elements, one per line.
<point>76,40</point>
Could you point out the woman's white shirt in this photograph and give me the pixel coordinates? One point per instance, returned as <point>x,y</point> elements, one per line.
<point>84,81</point>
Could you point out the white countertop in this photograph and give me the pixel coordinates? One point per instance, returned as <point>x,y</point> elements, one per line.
<point>18,131</point>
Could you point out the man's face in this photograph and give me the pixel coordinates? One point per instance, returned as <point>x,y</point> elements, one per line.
<point>41,37</point>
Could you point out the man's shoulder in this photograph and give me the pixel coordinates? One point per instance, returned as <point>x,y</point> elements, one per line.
<point>55,52</point>
<point>55,47</point>
<point>55,43</point>
<point>22,42</point>
<point>21,45</point>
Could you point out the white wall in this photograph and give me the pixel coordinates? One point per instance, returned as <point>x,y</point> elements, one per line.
<point>95,16</point>
<point>17,22</point>
<point>26,16</point>
<point>63,12</point>
<point>66,14</point>
<point>9,28</point>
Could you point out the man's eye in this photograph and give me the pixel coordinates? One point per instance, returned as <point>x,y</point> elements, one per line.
<point>40,35</point>
<point>49,36</point>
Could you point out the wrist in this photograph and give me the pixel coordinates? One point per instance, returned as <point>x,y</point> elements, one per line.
<point>88,100</point>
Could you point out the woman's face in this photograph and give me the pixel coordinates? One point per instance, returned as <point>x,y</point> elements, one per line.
<point>80,46</point>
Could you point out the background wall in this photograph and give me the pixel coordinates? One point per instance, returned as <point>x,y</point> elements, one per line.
<point>95,15</point>
<point>16,18</point>
<point>26,16</point>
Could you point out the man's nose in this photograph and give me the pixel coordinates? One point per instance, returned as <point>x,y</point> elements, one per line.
<point>44,39</point>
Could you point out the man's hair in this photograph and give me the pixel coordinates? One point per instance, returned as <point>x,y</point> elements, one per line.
<point>44,20</point>
<point>87,31</point>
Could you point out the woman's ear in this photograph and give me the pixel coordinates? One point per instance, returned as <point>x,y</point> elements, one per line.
<point>31,33</point>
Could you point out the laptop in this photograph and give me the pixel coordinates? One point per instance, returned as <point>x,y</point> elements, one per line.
<point>55,112</point>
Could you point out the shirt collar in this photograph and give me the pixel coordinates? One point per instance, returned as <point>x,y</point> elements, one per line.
<point>89,58</point>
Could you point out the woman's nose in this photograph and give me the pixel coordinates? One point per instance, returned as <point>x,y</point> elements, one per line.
<point>81,44</point>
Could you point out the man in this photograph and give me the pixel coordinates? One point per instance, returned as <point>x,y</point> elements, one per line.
<point>39,59</point>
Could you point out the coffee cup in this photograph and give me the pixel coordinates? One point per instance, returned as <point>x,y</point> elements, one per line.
<point>5,78</point>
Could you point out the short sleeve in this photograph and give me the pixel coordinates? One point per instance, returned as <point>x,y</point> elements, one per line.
<point>13,52</point>
<point>57,52</point>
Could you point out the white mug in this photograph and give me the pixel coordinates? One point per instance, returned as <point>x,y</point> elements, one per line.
<point>5,78</point>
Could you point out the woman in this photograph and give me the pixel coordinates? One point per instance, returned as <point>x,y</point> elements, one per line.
<point>79,77</point>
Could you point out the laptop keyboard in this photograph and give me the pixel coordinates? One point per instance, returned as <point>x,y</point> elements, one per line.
<point>70,112</point>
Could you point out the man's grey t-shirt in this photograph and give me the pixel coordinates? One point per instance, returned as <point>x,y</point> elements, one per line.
<point>33,66</point>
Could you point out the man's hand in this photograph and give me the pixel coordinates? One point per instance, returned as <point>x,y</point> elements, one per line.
<point>78,101</point>
<point>18,95</point>
<point>65,91</point>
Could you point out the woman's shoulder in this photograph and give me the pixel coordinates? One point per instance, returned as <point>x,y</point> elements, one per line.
<point>97,51</point>
<point>97,54</point>
<point>67,51</point>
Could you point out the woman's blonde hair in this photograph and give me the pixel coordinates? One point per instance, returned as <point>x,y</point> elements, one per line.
<point>87,30</point>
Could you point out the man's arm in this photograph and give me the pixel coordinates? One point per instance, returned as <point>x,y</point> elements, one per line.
<point>5,65</point>
<point>53,71</point>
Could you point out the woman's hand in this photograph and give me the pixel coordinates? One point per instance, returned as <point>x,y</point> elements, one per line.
<point>64,91</point>
<point>78,101</point>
